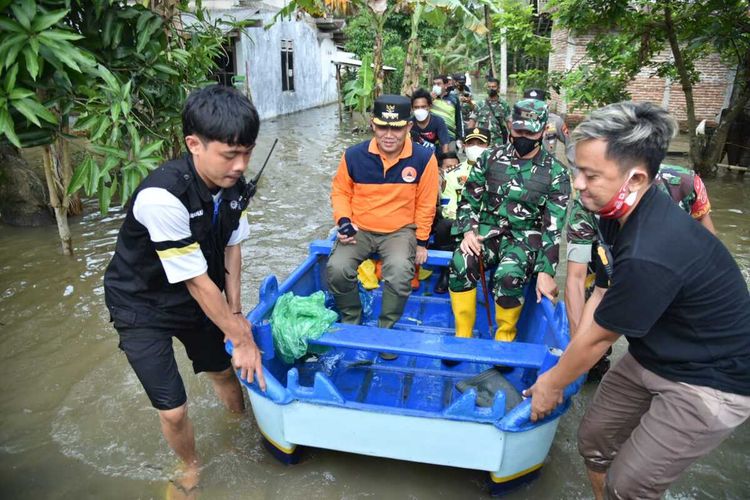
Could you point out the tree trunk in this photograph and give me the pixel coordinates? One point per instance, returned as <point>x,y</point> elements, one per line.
<point>74,204</point>
<point>413,62</point>
<point>58,198</point>
<point>413,67</point>
<point>377,61</point>
<point>696,143</point>
<point>490,52</point>
<point>711,154</point>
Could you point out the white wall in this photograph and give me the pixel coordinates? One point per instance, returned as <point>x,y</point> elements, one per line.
<point>314,74</point>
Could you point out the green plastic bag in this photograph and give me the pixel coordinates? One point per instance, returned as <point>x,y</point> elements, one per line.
<point>295,320</point>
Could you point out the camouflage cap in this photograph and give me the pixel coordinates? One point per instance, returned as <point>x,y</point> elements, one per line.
<point>529,115</point>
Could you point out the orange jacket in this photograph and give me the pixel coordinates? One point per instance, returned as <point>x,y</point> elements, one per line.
<point>383,196</point>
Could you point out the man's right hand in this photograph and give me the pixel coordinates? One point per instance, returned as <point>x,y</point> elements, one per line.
<point>348,240</point>
<point>472,243</point>
<point>246,358</point>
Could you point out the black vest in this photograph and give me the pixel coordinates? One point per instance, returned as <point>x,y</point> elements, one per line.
<point>136,289</point>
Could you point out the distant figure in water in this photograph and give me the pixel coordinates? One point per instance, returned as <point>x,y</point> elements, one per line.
<point>176,269</point>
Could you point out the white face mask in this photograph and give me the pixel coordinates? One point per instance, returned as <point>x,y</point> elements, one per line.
<point>474,152</point>
<point>421,114</point>
<point>437,89</point>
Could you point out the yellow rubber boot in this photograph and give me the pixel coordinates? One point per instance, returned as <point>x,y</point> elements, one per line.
<point>464,306</point>
<point>506,322</point>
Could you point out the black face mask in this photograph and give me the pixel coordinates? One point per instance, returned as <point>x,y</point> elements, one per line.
<point>492,92</point>
<point>524,145</point>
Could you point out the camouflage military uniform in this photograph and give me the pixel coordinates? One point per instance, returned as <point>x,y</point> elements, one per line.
<point>519,207</point>
<point>493,115</point>
<point>679,183</point>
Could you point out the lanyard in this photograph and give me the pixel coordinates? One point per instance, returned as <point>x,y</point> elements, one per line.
<point>604,252</point>
<point>217,204</point>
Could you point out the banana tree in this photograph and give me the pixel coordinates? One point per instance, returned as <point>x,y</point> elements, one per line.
<point>457,49</point>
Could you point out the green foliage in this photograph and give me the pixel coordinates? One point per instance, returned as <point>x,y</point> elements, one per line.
<point>531,78</point>
<point>119,68</point>
<point>517,23</point>
<point>394,56</point>
<point>628,34</point>
<point>358,92</point>
<point>36,53</point>
<point>132,115</point>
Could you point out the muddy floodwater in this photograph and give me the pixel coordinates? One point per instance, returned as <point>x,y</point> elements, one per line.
<point>75,422</point>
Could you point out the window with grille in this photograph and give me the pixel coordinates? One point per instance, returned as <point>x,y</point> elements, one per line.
<point>287,65</point>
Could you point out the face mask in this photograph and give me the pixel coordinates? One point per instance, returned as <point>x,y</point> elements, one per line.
<point>437,89</point>
<point>620,204</point>
<point>421,114</point>
<point>524,145</point>
<point>492,92</point>
<point>474,152</point>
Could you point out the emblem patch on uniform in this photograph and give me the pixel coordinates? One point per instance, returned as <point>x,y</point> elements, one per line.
<point>409,174</point>
<point>234,205</point>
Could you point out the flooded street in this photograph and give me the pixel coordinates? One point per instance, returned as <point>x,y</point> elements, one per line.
<point>77,424</point>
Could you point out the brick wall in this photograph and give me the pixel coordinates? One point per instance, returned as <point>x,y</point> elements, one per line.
<point>709,94</point>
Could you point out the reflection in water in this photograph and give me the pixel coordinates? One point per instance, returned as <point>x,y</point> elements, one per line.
<point>76,423</point>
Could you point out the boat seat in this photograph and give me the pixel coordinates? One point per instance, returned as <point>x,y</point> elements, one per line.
<point>430,345</point>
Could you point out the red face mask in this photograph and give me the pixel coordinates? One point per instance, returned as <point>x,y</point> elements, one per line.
<point>620,204</point>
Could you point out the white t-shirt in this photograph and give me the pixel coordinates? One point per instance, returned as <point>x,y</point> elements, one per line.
<point>167,220</point>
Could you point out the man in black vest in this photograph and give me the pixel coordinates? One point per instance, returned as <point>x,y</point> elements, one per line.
<point>176,267</point>
<point>674,291</point>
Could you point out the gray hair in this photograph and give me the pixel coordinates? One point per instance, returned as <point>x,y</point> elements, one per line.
<point>635,133</point>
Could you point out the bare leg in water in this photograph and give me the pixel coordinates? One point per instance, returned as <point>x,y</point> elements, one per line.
<point>227,387</point>
<point>178,431</point>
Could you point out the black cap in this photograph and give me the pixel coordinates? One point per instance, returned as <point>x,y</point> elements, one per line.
<point>480,133</point>
<point>394,110</point>
<point>459,77</point>
<point>537,94</point>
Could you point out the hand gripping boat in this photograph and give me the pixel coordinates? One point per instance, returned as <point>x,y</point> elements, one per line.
<point>415,407</point>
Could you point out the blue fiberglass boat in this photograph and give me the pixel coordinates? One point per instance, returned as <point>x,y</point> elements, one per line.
<point>411,408</point>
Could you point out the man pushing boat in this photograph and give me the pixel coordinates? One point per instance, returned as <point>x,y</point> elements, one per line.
<point>176,268</point>
<point>384,199</point>
<point>674,291</point>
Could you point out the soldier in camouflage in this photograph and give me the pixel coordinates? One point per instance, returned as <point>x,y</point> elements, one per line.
<point>463,94</point>
<point>556,130</point>
<point>510,214</point>
<point>493,112</point>
<point>680,183</point>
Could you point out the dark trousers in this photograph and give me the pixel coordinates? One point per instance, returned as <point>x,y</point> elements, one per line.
<point>441,231</point>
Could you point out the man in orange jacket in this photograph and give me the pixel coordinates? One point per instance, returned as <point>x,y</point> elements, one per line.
<point>384,196</point>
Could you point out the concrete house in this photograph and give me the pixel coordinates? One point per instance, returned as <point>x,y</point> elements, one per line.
<point>286,68</point>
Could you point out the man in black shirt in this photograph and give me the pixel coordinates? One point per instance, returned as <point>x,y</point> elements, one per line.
<point>176,269</point>
<point>677,295</point>
<point>428,130</point>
